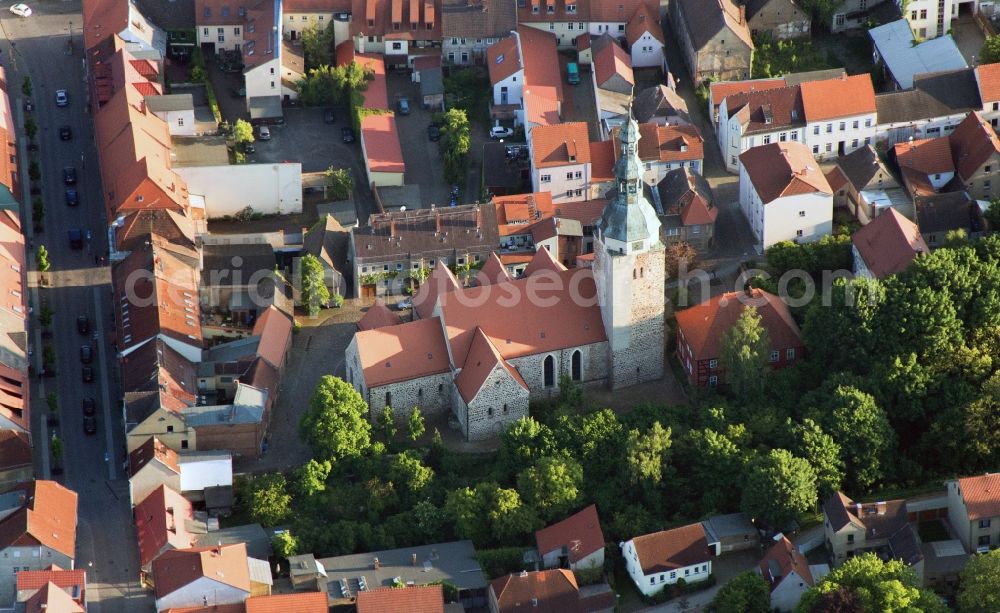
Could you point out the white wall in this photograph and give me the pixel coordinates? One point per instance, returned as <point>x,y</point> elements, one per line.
<point>789,592</point>
<point>196,476</point>
<point>782,219</point>
<point>267,188</point>
<point>231,35</point>
<point>559,184</point>
<point>565,31</point>
<point>652,584</point>
<point>923,128</point>
<point>297,22</point>
<point>513,83</point>
<point>647,52</point>
<point>855,132</point>
<point>264,80</point>
<point>194,593</point>
<point>180,123</point>
<point>922,16</point>
<point>152,476</point>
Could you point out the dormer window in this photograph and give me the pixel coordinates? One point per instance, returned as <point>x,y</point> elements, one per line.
<point>551,9</point>
<point>534,10</point>
<point>571,8</point>
<point>371,23</point>
<point>208,11</point>
<point>225,11</point>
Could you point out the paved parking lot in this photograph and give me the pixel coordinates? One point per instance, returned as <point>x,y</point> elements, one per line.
<point>424,164</point>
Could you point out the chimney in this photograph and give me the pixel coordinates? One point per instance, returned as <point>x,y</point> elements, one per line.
<point>479,218</point>
<point>880,507</point>
<point>375,563</point>
<point>857,507</point>
<point>392,227</point>
<point>437,222</point>
<point>413,559</point>
<point>743,13</point>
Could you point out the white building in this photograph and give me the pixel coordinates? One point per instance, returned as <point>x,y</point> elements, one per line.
<point>506,70</point>
<point>644,38</point>
<point>784,195</point>
<point>840,115</point>
<point>988,82</point>
<point>760,117</point>
<point>656,560</point>
<point>560,161</point>
<point>227,190</point>
<point>934,107</point>
<point>176,110</point>
<point>787,573</point>
<point>932,18</point>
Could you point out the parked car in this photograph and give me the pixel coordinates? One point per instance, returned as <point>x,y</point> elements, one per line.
<point>72,198</point>
<point>328,116</point>
<point>89,424</point>
<point>434,132</point>
<point>86,354</point>
<point>75,238</point>
<point>403,104</point>
<point>572,73</point>
<point>21,10</point>
<point>498,131</point>
<point>89,407</point>
<point>347,134</point>
<point>69,175</point>
<point>62,99</point>
<point>65,133</point>
<point>405,304</point>
<point>249,148</point>
<point>88,374</point>
<point>82,324</point>
<point>264,133</point>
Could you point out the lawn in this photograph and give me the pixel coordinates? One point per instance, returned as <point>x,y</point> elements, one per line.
<point>931,531</point>
<point>776,58</point>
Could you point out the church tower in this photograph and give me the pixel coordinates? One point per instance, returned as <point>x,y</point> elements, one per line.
<point>629,271</point>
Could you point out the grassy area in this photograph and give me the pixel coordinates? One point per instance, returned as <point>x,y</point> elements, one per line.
<point>775,58</point>
<point>931,531</point>
<point>469,89</point>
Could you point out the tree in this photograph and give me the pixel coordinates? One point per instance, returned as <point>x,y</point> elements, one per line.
<point>822,453</point>
<point>310,478</point>
<point>26,88</point>
<point>680,255</point>
<point>524,442</point>
<point>878,586</point>
<point>745,353</point>
<point>30,128</point>
<point>552,485</point>
<point>335,425</point>
<point>866,438</point>
<point>315,293</point>
<point>268,499</point>
<point>466,508</point>
<point>645,454</point>
<point>387,422</point>
<point>979,586</point>
<point>285,545</point>
<point>57,448</point>
<point>43,259</point>
<point>341,182</point>
<point>746,592</point>
<point>779,486</point>
<point>510,518</point>
<point>242,132</point>
<point>409,473</point>
<point>992,215</point>
<point>455,130</point>
<point>317,45</point>
<point>45,316</point>
<point>990,52</point>
<point>415,424</point>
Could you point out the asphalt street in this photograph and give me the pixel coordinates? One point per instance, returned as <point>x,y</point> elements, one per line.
<point>91,464</point>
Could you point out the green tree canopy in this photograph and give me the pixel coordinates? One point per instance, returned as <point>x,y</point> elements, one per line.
<point>745,354</point>
<point>990,52</point>
<point>242,131</point>
<point>823,454</point>
<point>979,586</point>
<point>746,593</point>
<point>310,478</point>
<point>315,293</point>
<point>866,438</point>
<point>510,518</point>
<point>285,544</point>
<point>646,454</point>
<point>779,487</point>
<point>268,500</point>
<point>409,473</point>
<point>415,424</point>
<point>336,423</point>
<point>890,587</point>
<point>317,45</point>
<point>552,485</point>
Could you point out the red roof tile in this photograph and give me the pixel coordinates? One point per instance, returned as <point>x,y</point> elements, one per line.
<point>15,449</point>
<point>981,495</point>
<point>645,19</point>
<point>177,568</point>
<point>704,325</point>
<point>672,549</point>
<point>275,331</point>
<point>783,169</point>
<point>927,156</point>
<point>609,60</point>
<point>543,260</point>
<point>376,95</point>
<point>52,599</point>
<point>973,143</point>
<point>579,533</point>
<point>836,178</point>
<point>152,449</point>
<point>602,161</point>
<point>721,90</point>
<point>561,144</point>
<point>493,271</point>
<point>541,105</point>
<point>843,97</point>
<point>441,280</point>
<point>547,591</point>
<point>378,316</point>
<point>413,599</point>
<point>304,602</point>
<point>482,359</point>
<point>502,59</point>
<point>665,143</point>
<point>381,143</point>
<point>889,243</point>
<point>47,518</point>
<point>988,78</point>
<point>541,59</point>
<point>160,523</point>
<point>65,579</point>
<point>780,560</point>
<point>403,352</point>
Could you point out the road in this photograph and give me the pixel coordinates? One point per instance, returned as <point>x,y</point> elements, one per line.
<point>91,465</point>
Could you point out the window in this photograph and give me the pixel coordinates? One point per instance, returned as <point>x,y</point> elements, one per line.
<point>868,123</point>
<point>984,541</point>
<point>795,136</point>
<point>569,175</point>
<point>815,129</point>
<point>984,523</point>
<point>713,364</point>
<point>713,380</point>
<point>204,31</point>
<point>208,11</point>
<point>397,46</point>
<point>802,213</point>
<point>272,84</point>
<point>236,31</point>
<point>868,140</point>
<point>854,143</point>
<point>505,409</point>
<point>783,137</point>
<point>222,37</point>
<point>576,366</point>
<point>843,126</point>
<point>987,168</point>
<point>549,371</point>
<point>489,412</point>
<point>790,354</point>
<point>272,70</point>
<point>569,193</point>
<point>385,268</point>
<point>578,174</point>
<point>569,26</point>
<point>221,31</point>
<point>388,399</point>
<point>767,139</point>
<point>663,577</point>
<point>652,580</point>
<point>552,26</point>
<point>986,184</point>
<point>923,13</point>
<point>687,571</point>
<point>184,444</point>
<point>774,356</point>
<point>621,27</point>
<point>578,192</point>
<point>461,261</point>
<point>855,124</point>
<point>838,19</point>
<point>170,428</point>
<point>913,15</point>
<point>673,574</point>
<point>545,178</point>
<point>829,147</point>
<point>225,11</point>
<point>829,128</point>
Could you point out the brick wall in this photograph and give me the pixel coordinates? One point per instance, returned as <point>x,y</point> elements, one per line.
<point>501,401</point>
<point>593,363</point>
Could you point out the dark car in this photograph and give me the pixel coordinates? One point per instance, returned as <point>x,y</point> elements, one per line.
<point>90,424</point>
<point>72,198</point>
<point>86,354</point>
<point>328,116</point>
<point>65,133</point>
<point>89,407</point>
<point>249,148</point>
<point>434,132</point>
<point>403,105</point>
<point>75,238</point>
<point>88,374</point>
<point>69,175</point>
<point>347,134</point>
<point>82,324</point>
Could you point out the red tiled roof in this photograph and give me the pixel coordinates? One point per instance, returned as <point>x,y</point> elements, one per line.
<point>65,579</point>
<point>602,161</point>
<point>645,18</point>
<point>541,59</point>
<point>426,62</point>
<point>160,523</point>
<point>275,331</point>
<point>304,602</point>
<point>378,316</point>
<point>177,568</point>
<point>15,449</point>
<point>579,533</point>
<point>981,495</point>
<point>704,325</point>
<point>665,143</point>
<point>541,105</point>
<point>103,19</point>
<point>786,558</point>
<point>493,271</point>
<point>723,89</point>
<point>609,60</point>
<point>502,59</point>
<point>47,518</point>
<point>973,143</point>
<point>52,599</point>
<point>412,599</point>
<point>889,243</point>
<point>614,11</point>
<point>783,169</point>
<point>152,449</point>
<point>384,16</point>
<point>480,362</point>
<point>842,97</point>
<point>546,591</point>
<point>836,178</point>
<point>927,156</point>
<point>672,549</point>
<point>403,352</point>
<point>988,78</point>
<point>543,260</point>
<point>381,141</point>
<point>376,95</point>
<point>441,280</point>
<point>515,213</point>
<point>554,145</point>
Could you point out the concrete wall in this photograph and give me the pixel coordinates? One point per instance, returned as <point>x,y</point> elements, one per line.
<point>558,182</point>
<point>231,35</point>
<point>264,80</point>
<point>900,132</point>
<point>725,57</point>
<point>464,51</point>
<point>514,84</point>
<point>780,219</point>
<point>984,183</point>
<point>969,531</point>
<point>647,52</point>
<point>565,31</point>
<point>267,188</point>
<point>14,476</point>
<point>292,24</point>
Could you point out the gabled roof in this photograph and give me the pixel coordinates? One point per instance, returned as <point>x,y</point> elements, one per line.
<point>889,243</point>
<point>783,169</point>
<point>973,143</point>
<point>493,271</point>
<point>440,280</point>
<point>477,19</point>
<point>503,59</point>
<point>706,18</point>
<point>981,495</point>
<point>160,522</point>
<point>381,141</point>
<point>47,516</point>
<point>658,101</point>
<point>378,316</point>
<point>645,19</point>
<point>687,193</point>
<point>70,581</point>
<point>947,211</point>
<point>15,449</point>
<point>275,332</point>
<point>904,58</point>
<point>482,359</point>
<point>988,81</point>
<point>767,110</point>
<point>177,568</point>
<point>933,95</point>
<point>543,260</point>
<point>609,59</point>
<point>152,450</point>
<point>672,549</point>
<point>51,598</point>
<point>302,602</point>
<point>927,156</point>
<point>580,534</point>
<point>780,560</point>
<point>861,165</point>
<point>412,599</point>
<point>720,90</point>
<point>137,226</point>
<point>843,97</point>
<point>658,143</point>
<point>560,144</point>
<point>541,59</point>
<point>602,161</point>
<point>402,352</point>
<point>156,368</point>
<point>704,325</point>
<point>545,591</point>
<point>329,241</point>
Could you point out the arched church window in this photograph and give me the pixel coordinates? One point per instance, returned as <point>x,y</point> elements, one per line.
<point>549,371</point>
<point>577,366</point>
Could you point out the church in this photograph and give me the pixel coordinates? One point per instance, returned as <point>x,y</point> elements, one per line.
<point>483,352</point>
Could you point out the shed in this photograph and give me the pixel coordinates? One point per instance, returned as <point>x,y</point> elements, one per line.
<point>432,88</point>
<point>266,109</point>
<point>733,532</point>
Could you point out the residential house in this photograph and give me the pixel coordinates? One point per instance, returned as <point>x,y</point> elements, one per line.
<point>784,195</point>
<point>158,383</point>
<point>939,214</point>
<point>188,577</point>
<point>720,90</point>
<point>132,231</point>
<point>525,78</point>
<point>378,316</point>
<point>860,177</point>
<point>613,82</point>
<point>975,148</point>
<point>926,166</point>
<point>381,150</point>
<point>660,105</point>
<point>104,21</point>
<point>853,14</point>
<point>902,57</point>
<point>974,511</point>
<point>322,15</point>
<point>988,84</point>
<point>853,528</point>
<point>931,18</point>
<point>413,599</point>
<point>528,221</point>
<point>759,117</point>
<point>560,161</point>
<point>569,20</point>
<point>219,26</point>
<point>38,528</point>
<point>393,244</point>
<point>401,29</point>
<point>238,426</point>
<point>779,19</point>
<point>700,329</point>
<point>787,574</point>
<point>549,590</point>
<point>306,602</point>
<point>644,37</point>
<point>665,148</point>
<point>657,560</point>
<point>453,563</point>
<point>52,589</point>
<point>238,281</point>
<point>15,458</point>
<point>576,543</point>
<point>886,246</point>
<point>714,39</point>
<point>840,114</point>
<point>506,71</point>
<point>688,208</point>
<point>150,466</point>
<point>329,242</point>
<point>176,110</point>
<point>934,107</point>
<point>15,399</point>
<point>164,521</point>
<point>468,29</point>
